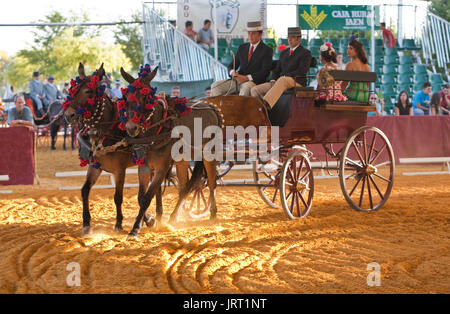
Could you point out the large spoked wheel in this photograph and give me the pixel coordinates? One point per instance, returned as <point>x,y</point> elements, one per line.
<point>268,176</point>
<point>197,203</point>
<point>296,185</point>
<point>367,168</point>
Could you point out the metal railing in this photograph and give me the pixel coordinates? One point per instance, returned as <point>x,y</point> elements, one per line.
<point>436,41</point>
<point>179,58</point>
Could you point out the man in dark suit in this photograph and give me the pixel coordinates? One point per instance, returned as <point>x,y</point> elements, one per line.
<point>251,66</point>
<point>291,70</point>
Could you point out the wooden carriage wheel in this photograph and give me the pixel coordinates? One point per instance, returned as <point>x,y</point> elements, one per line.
<point>366,170</point>
<point>296,185</point>
<point>267,174</point>
<point>197,203</point>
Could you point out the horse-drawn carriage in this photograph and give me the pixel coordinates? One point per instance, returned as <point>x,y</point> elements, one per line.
<point>363,156</point>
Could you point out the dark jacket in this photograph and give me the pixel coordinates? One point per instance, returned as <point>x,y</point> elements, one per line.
<point>260,63</point>
<point>294,65</point>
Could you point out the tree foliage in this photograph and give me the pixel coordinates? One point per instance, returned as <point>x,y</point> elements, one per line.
<point>57,51</point>
<point>129,36</point>
<point>441,8</point>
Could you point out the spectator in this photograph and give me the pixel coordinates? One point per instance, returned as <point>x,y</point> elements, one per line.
<point>176,92</point>
<point>252,65</point>
<point>8,98</point>
<point>116,93</point>
<point>422,100</point>
<point>208,92</point>
<point>445,99</point>
<point>435,103</point>
<point>387,36</point>
<point>37,93</point>
<point>20,115</point>
<point>358,91</point>
<point>379,103</point>
<point>189,32</point>
<point>65,90</point>
<point>340,61</point>
<point>205,35</point>
<point>403,106</point>
<point>51,91</point>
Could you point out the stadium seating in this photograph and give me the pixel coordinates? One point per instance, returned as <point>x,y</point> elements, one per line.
<point>409,44</point>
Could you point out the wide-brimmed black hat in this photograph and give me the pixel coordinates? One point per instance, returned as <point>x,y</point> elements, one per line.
<point>35,73</point>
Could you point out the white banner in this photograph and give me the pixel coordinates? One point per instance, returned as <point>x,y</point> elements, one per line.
<point>232,15</point>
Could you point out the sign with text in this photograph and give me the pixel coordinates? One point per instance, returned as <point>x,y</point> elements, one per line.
<point>336,17</point>
<point>232,15</point>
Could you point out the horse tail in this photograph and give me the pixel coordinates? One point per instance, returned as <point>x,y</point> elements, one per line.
<point>197,175</point>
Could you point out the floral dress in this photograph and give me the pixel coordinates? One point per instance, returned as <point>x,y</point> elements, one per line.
<point>333,92</point>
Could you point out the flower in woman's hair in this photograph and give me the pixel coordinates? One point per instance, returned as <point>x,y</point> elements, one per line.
<point>329,44</point>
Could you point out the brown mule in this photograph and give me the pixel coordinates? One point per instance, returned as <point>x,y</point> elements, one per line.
<point>162,121</point>
<point>103,129</point>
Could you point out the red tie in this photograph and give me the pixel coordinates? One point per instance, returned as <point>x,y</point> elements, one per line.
<point>290,52</point>
<point>250,53</point>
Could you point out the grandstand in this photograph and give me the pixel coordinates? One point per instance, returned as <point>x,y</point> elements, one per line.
<point>406,67</point>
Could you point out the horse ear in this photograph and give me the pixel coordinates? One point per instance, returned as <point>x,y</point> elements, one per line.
<point>146,80</point>
<point>127,76</point>
<point>81,70</point>
<point>100,72</point>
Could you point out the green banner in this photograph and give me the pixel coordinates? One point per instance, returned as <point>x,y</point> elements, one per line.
<point>337,17</point>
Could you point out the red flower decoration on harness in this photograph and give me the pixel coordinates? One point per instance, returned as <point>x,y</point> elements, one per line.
<point>133,98</point>
<point>83,162</point>
<point>87,114</point>
<point>145,91</point>
<point>136,118</point>
<point>138,84</point>
<point>121,104</point>
<point>91,101</point>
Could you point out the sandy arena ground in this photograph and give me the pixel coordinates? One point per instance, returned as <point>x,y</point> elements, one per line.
<point>250,249</point>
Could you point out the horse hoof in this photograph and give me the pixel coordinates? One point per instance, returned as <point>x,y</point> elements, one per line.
<point>151,222</point>
<point>86,231</point>
<point>132,236</point>
<point>53,148</point>
<point>118,228</point>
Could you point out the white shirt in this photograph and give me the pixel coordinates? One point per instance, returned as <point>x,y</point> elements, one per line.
<point>254,48</point>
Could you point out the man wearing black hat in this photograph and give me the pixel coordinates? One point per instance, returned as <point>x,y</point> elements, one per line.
<point>251,65</point>
<point>51,91</point>
<point>291,70</point>
<point>37,93</point>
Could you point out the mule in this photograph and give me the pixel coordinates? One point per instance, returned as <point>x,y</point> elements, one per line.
<point>103,132</point>
<point>155,127</point>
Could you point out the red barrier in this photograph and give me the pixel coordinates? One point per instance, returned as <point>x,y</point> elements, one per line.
<point>17,155</point>
<point>410,136</point>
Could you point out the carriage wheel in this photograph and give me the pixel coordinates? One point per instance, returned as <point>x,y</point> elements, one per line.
<point>228,165</point>
<point>366,170</point>
<point>296,185</point>
<point>197,203</point>
<point>267,174</point>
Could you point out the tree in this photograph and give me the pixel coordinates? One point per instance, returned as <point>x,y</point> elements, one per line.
<point>129,36</point>
<point>441,8</point>
<point>66,51</point>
